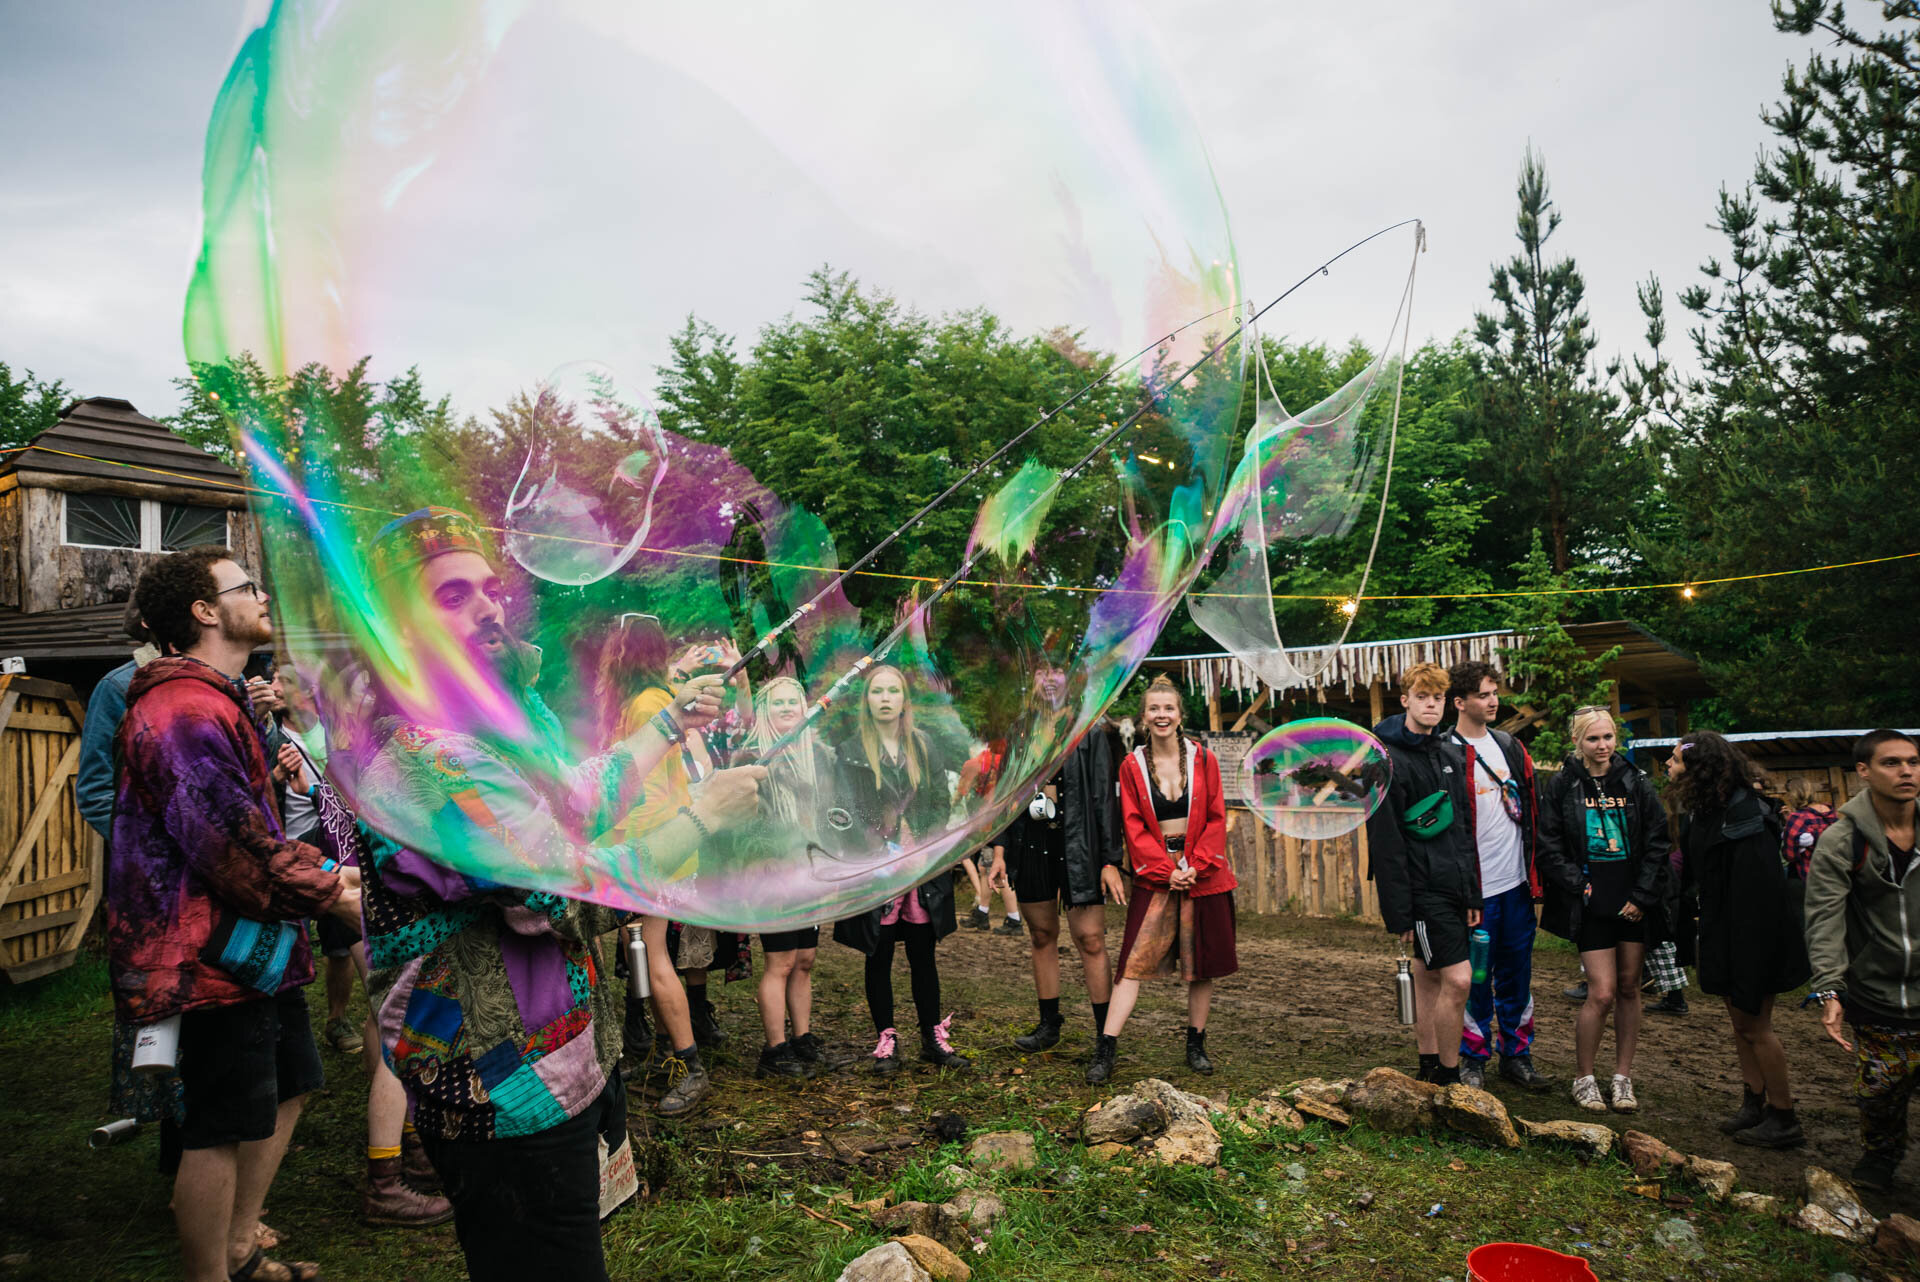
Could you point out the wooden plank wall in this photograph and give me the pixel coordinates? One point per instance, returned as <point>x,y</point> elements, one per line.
<point>1278,873</point>
<point>51,862</point>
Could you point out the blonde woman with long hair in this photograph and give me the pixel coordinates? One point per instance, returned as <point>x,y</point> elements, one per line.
<point>798,791</point>
<point>896,790</point>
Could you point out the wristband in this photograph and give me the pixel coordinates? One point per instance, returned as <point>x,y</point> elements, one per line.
<point>1821,998</point>
<point>669,728</point>
<point>329,865</point>
<point>705,832</point>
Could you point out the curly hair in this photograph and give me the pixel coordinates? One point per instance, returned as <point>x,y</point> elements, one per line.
<point>165,595</point>
<point>1715,770</point>
<point>1464,678</point>
<point>634,659</point>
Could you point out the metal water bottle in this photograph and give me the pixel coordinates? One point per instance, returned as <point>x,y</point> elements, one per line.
<point>1480,953</point>
<point>641,982</point>
<point>1403,991</point>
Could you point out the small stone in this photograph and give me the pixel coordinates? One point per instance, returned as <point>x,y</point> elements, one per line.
<point>888,1262</point>
<point>1326,1112</point>
<point>1003,1151</point>
<point>1899,1236</point>
<point>1296,1172</point>
<point>940,1264</point>
<point>1717,1178</point>
<point>16,1260</point>
<point>1835,1197</point>
<point>1477,1113</point>
<point>1269,1111</point>
<point>1189,1144</point>
<point>1757,1204</point>
<point>1320,1091</point>
<point>1590,1137</point>
<point>1650,1158</point>
<point>1681,1238</point>
<point>1109,1152</point>
<point>956,1174</point>
<point>1393,1102</point>
<point>874,1205</point>
<point>980,1209</point>
<point>1842,1277</point>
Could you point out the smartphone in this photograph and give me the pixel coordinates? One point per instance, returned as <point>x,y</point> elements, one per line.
<point>259,664</point>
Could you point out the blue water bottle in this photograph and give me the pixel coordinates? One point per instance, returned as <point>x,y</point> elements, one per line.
<point>1480,949</point>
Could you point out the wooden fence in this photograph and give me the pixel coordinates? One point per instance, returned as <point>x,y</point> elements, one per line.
<point>1278,873</point>
<point>50,881</point>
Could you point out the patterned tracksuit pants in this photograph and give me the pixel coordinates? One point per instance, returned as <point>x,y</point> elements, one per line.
<point>1889,1060</point>
<point>1508,993</point>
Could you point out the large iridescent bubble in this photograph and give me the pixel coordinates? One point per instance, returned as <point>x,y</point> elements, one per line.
<point>1317,778</point>
<point>527,203</point>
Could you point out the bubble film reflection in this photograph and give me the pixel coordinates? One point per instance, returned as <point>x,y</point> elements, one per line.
<point>1317,778</point>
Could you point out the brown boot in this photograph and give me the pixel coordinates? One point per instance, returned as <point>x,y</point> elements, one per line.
<point>415,1169</point>
<point>391,1200</point>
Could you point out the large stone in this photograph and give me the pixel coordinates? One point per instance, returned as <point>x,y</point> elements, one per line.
<point>1321,1091</point>
<point>1190,1144</point>
<point>1393,1102</point>
<point>1838,1205</point>
<point>1003,1151</point>
<point>940,1264</point>
<point>908,1217</point>
<point>1757,1204</point>
<point>1123,1119</point>
<point>888,1262</point>
<point>1650,1158</point>
<point>1475,1112</point>
<point>1899,1237</point>
<point>1269,1110</point>
<point>1589,1137</point>
<point>1717,1178</point>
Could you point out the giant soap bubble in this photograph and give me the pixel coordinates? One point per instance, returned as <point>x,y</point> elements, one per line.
<point>1316,778</point>
<point>719,296</point>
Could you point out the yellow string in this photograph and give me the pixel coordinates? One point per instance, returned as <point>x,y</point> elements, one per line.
<point>1036,587</point>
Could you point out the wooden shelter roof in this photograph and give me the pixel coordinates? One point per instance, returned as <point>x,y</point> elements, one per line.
<point>111,434</point>
<point>1779,747</point>
<point>85,632</point>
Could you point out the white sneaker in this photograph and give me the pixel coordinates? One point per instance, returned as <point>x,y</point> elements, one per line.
<point>1623,1100</point>
<point>1586,1093</point>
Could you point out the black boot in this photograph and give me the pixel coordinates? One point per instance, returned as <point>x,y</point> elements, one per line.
<point>1104,1050</point>
<point>1197,1050</point>
<point>779,1061</point>
<point>1753,1107</point>
<point>937,1049</point>
<point>636,1034</point>
<point>1044,1037</point>
<point>1778,1129</point>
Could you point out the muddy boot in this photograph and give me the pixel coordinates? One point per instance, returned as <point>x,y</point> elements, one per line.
<point>1044,1037</point>
<point>1197,1050</point>
<point>1778,1129</point>
<point>780,1061</point>
<point>390,1200</point>
<point>1101,1068</point>
<point>636,1036</point>
<point>415,1169</point>
<point>1753,1107</point>
<point>808,1050</point>
<point>936,1046</point>
<point>886,1054</point>
<point>687,1084</point>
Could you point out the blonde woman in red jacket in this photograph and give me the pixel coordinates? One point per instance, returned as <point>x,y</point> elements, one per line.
<point>1175,825</point>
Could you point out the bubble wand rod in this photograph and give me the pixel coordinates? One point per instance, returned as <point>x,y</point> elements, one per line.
<point>880,651</point>
<point>780,629</point>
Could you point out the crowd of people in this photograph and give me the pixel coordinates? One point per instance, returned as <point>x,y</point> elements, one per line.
<point>502,1047</point>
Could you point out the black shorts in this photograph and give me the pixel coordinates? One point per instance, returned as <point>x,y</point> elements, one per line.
<point>787,941</point>
<point>1037,879</point>
<point>1440,931</point>
<point>336,937</point>
<point>1601,931</point>
<point>237,1063</point>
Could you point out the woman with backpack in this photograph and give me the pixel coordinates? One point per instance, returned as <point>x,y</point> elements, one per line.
<point>1752,944</point>
<point>1603,857</point>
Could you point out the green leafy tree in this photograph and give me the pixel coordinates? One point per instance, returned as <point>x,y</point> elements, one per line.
<point>29,405</point>
<point>1798,443</point>
<point>1552,668</point>
<point>1560,451</point>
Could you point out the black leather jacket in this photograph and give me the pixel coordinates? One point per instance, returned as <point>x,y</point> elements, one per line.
<point>1089,808</point>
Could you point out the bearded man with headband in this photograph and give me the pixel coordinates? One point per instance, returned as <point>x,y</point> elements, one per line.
<point>493,1000</point>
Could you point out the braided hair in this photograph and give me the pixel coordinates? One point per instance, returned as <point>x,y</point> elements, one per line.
<point>1164,685</point>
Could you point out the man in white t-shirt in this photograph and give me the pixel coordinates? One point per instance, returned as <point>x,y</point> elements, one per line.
<point>1505,827</point>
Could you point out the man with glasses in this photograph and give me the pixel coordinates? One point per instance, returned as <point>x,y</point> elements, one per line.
<point>1505,834</point>
<point>205,901</point>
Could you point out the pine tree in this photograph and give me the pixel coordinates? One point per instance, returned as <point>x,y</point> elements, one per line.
<point>1552,668</point>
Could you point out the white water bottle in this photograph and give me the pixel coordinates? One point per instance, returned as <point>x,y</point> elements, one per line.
<point>157,1046</point>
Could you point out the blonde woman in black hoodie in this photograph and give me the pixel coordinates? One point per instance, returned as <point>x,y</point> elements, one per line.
<point>1603,857</point>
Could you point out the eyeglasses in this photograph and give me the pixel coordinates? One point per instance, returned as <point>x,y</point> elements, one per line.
<point>634,615</point>
<point>1592,707</point>
<point>249,586</point>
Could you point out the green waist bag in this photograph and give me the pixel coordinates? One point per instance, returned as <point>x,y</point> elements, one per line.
<point>1428,817</point>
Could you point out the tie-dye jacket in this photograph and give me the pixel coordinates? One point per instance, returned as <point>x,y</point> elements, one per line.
<point>196,841</point>
<point>493,1004</point>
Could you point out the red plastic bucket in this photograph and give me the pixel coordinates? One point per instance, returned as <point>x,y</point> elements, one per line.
<point>1519,1262</point>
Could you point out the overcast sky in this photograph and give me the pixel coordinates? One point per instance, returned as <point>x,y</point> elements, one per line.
<point>1323,124</point>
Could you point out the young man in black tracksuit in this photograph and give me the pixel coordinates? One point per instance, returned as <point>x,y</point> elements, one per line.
<point>1423,856</point>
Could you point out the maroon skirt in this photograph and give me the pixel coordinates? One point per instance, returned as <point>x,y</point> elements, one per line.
<point>1165,926</point>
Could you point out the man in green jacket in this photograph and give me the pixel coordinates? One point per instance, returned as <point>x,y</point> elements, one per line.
<point>1863,935</point>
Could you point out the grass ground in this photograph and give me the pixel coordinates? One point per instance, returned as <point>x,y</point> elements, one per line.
<point>729,1192</point>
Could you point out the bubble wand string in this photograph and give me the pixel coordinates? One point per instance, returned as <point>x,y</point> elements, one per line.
<point>886,644</point>
<point>780,629</point>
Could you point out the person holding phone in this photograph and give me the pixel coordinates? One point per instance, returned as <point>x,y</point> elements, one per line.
<point>1603,856</point>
